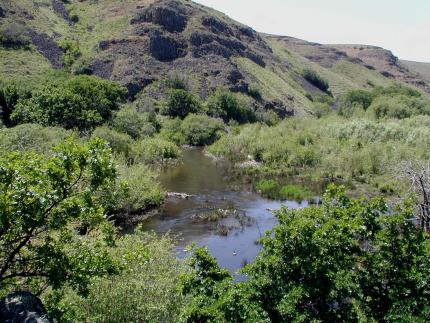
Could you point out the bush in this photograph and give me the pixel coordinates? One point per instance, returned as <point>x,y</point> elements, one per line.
<point>154,151</point>
<point>14,35</point>
<point>316,80</point>
<point>31,137</point>
<point>120,143</point>
<point>136,191</point>
<point>81,102</point>
<point>398,107</point>
<point>71,52</point>
<point>180,103</point>
<point>254,92</point>
<point>201,130</point>
<point>177,82</point>
<point>295,193</point>
<point>268,188</point>
<point>359,97</point>
<point>145,291</point>
<point>315,258</point>
<point>228,106</point>
<point>10,94</point>
<point>135,124</point>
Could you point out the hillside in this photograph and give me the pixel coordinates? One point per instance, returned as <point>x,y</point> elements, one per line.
<point>422,69</point>
<point>141,43</point>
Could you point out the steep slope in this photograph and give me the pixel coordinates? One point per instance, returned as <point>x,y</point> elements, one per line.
<point>422,69</point>
<point>139,43</point>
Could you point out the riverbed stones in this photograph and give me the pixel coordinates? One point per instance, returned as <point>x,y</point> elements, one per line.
<point>23,307</point>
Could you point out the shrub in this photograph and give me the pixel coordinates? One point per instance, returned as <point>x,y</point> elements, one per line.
<point>359,97</point>
<point>71,52</point>
<point>155,151</point>
<point>270,118</point>
<point>32,137</point>
<point>136,191</point>
<point>14,35</point>
<point>294,192</point>
<point>180,103</point>
<point>120,143</point>
<point>82,102</point>
<point>145,291</point>
<point>177,82</point>
<point>316,80</point>
<point>134,123</point>
<point>10,94</point>
<point>268,188</point>
<point>254,92</point>
<point>200,130</point>
<point>228,106</point>
<point>171,130</point>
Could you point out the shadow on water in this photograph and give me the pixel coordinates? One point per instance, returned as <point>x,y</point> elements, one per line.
<point>245,216</point>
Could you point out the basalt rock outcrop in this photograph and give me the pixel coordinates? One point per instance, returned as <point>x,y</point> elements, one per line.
<point>20,307</point>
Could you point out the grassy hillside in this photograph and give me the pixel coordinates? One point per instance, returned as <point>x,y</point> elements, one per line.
<point>423,69</point>
<point>141,43</point>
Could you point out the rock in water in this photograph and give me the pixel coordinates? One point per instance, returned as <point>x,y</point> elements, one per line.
<point>23,307</point>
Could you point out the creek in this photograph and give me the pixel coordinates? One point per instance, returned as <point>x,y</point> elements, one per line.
<point>221,212</point>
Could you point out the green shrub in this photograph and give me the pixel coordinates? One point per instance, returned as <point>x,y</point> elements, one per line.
<point>31,137</point>
<point>228,106</point>
<point>14,35</point>
<point>255,92</point>
<point>120,143</point>
<point>294,192</point>
<point>180,103</point>
<point>316,80</point>
<point>177,82</point>
<point>10,94</point>
<point>359,97</point>
<point>269,118</point>
<point>154,151</point>
<point>135,124</point>
<point>71,52</point>
<point>398,107</point>
<point>201,130</point>
<point>136,191</point>
<point>145,291</point>
<point>81,102</point>
<point>171,130</point>
<point>268,188</point>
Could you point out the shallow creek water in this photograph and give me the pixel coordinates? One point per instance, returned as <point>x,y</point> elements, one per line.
<point>248,215</point>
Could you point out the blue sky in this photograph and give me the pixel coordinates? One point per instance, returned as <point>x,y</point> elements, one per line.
<point>402,26</point>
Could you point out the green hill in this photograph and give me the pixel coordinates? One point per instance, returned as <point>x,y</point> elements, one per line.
<point>141,43</point>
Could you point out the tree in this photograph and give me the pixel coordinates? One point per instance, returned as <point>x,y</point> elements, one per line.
<point>228,106</point>
<point>180,103</point>
<point>43,202</point>
<point>82,102</point>
<point>351,260</point>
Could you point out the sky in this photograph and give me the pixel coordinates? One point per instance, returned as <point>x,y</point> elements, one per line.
<point>402,26</point>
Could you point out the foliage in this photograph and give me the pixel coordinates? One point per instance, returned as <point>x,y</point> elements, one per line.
<point>398,107</point>
<point>228,106</point>
<point>180,103</point>
<point>360,97</point>
<point>155,151</point>
<point>14,35</point>
<point>316,80</point>
<point>71,52</point>
<point>42,199</point>
<point>120,143</point>
<point>273,190</point>
<point>135,124</point>
<point>136,190</point>
<point>213,298</point>
<point>9,97</point>
<point>145,291</point>
<point>81,102</point>
<point>255,92</point>
<point>350,260</point>
<point>177,82</point>
<point>200,130</point>
<point>32,137</point>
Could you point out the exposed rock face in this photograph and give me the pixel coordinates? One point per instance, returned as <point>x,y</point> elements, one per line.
<point>2,14</point>
<point>60,9</point>
<point>165,48</point>
<point>23,307</point>
<point>216,26</point>
<point>169,15</point>
<point>48,48</point>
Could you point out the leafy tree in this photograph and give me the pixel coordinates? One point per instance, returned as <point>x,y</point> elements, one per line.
<point>134,123</point>
<point>180,103</point>
<point>9,96</point>
<point>82,102</point>
<point>200,130</point>
<point>347,261</point>
<point>226,105</point>
<point>360,97</point>
<point>43,200</point>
